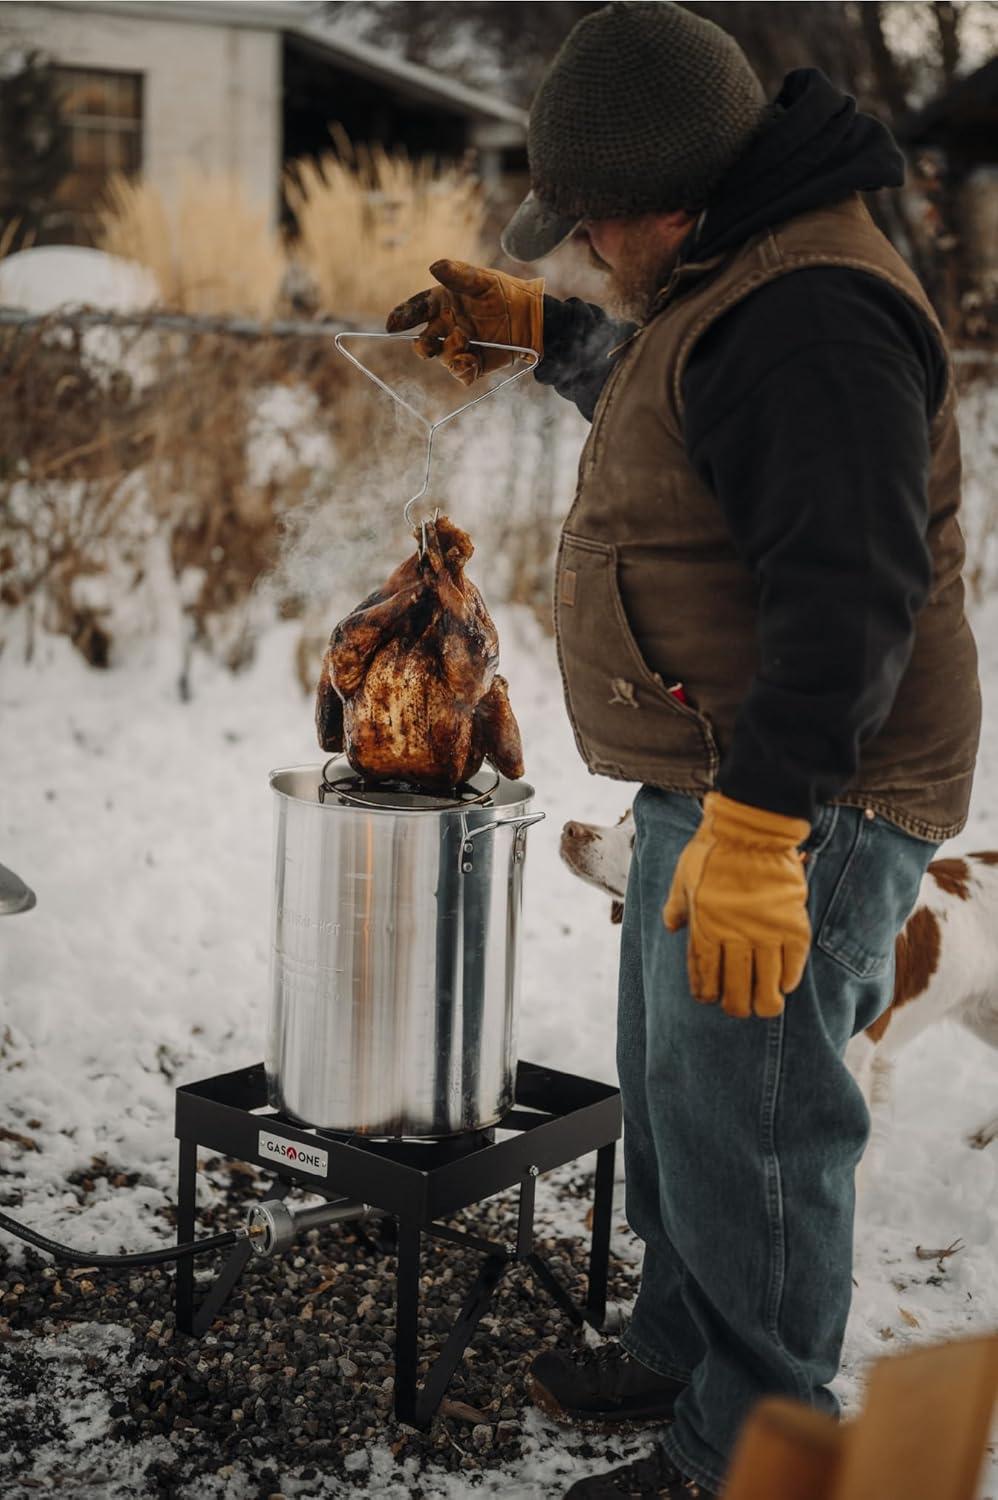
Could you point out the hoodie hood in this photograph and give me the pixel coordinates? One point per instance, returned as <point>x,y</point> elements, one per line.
<point>815,148</point>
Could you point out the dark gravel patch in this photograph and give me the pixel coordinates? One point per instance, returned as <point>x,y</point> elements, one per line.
<point>295,1376</point>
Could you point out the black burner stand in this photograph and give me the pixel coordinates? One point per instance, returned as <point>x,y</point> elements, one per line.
<point>556,1118</point>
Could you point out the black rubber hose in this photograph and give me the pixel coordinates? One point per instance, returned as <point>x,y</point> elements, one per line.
<point>141,1258</point>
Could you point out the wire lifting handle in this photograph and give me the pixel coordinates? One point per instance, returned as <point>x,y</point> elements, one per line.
<point>433,427</point>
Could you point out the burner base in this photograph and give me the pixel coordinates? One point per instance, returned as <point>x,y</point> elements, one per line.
<point>556,1118</point>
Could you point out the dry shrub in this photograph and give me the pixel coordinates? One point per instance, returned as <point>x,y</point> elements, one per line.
<point>70,440</point>
<point>69,547</point>
<point>210,248</point>
<point>371,222</point>
<point>222,439</point>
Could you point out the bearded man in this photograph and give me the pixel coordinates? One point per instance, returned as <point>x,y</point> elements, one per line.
<point>760,619</point>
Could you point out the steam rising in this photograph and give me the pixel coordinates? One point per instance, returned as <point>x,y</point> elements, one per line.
<point>494,471</point>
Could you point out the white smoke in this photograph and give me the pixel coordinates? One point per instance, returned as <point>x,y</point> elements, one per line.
<point>498,470</point>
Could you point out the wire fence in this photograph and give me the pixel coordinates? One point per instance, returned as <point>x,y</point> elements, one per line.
<point>160,468</point>
<point>167,322</point>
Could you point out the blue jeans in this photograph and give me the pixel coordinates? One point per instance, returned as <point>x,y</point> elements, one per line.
<point>741,1137</point>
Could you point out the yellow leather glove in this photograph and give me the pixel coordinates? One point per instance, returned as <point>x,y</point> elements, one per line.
<point>472,303</point>
<point>740,884</point>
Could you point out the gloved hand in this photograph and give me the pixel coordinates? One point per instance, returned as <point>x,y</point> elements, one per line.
<point>740,884</point>
<point>472,303</point>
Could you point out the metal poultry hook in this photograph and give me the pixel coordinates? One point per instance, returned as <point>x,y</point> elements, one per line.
<point>432,428</point>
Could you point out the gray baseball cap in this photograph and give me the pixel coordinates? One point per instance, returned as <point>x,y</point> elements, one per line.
<point>536,229</point>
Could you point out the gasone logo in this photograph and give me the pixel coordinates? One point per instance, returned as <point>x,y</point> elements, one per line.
<point>302,1158</point>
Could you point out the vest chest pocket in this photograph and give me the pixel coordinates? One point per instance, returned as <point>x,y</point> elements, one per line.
<point>626,721</point>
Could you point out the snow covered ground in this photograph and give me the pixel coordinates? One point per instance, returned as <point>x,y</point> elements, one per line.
<point>144,825</point>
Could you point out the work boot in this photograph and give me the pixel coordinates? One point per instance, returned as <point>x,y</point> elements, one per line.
<point>604,1386</point>
<point>650,1478</point>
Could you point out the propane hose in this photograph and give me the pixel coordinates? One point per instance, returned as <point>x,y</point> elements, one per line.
<point>140,1258</point>
<point>272,1228</point>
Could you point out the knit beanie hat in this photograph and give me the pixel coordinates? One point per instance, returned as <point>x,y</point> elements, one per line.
<point>644,108</point>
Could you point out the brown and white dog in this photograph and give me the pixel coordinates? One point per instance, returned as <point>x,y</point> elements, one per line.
<point>946,956</point>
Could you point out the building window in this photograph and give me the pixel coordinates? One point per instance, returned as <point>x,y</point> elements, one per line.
<point>103,111</point>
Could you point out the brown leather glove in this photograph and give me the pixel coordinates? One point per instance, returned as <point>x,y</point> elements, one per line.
<point>472,303</point>
<point>740,884</point>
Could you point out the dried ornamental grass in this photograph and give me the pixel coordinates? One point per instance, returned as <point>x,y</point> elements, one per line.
<point>370,223</point>
<point>8,235</point>
<point>210,248</point>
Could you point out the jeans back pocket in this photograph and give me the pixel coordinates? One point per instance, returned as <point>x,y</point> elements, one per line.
<point>876,888</point>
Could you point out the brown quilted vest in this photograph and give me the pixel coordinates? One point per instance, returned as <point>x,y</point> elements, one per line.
<point>649,589</point>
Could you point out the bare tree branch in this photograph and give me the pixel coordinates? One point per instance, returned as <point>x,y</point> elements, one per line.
<point>890,82</point>
<point>947,17</point>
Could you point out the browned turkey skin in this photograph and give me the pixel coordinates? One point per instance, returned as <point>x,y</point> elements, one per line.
<point>409,688</point>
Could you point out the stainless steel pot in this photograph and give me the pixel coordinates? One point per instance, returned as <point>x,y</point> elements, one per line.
<point>395,965</point>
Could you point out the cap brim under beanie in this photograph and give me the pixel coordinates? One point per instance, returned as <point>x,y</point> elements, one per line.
<point>536,229</point>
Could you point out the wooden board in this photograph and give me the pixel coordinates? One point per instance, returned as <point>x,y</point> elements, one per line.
<point>924,1427</point>
<point>786,1452</point>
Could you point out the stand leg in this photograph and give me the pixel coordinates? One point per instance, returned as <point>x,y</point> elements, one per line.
<point>525,1220</point>
<point>547,1278</point>
<point>226,1279</point>
<point>476,1304</point>
<point>187,1166</point>
<point>232,1269</point>
<point>406,1322</point>
<point>599,1255</point>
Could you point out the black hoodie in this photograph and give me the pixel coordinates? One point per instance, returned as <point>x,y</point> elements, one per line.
<point>807,409</point>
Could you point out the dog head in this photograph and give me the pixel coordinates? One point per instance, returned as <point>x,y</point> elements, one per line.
<point>601,856</point>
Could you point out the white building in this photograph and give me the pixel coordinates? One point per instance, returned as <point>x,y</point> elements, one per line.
<point>239,88</point>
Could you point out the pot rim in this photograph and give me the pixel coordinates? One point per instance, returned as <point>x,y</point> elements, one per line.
<point>508,795</point>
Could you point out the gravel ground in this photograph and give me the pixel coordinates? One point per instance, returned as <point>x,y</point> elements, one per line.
<point>293,1383</point>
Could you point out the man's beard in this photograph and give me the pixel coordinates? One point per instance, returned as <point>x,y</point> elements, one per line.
<point>640,276</point>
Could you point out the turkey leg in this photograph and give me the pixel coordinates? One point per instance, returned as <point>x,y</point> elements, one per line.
<point>497,734</point>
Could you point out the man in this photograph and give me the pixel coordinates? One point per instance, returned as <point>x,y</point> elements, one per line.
<point>760,618</point>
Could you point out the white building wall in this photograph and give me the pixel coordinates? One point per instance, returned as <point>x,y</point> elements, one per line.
<point>211,93</point>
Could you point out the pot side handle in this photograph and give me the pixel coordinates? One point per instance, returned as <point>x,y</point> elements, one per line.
<point>466,853</point>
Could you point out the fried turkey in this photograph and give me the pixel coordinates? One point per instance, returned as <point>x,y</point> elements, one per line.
<point>409,688</point>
